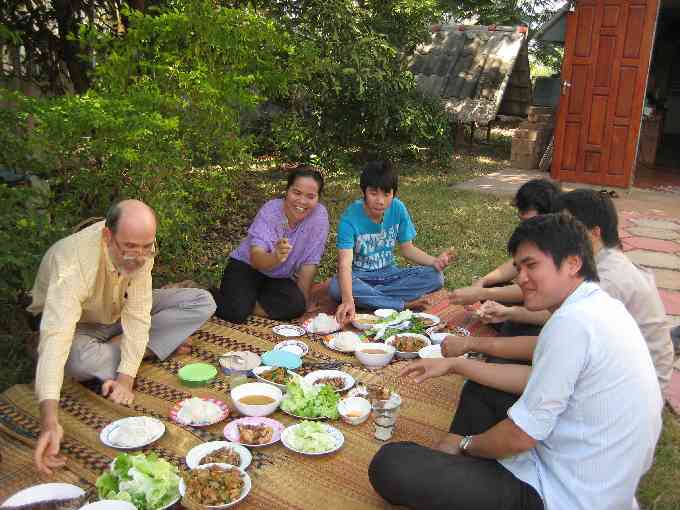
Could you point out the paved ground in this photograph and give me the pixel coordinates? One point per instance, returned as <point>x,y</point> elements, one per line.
<point>649,229</point>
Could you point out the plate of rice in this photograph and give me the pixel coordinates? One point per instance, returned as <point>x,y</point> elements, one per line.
<point>322,324</point>
<point>199,412</point>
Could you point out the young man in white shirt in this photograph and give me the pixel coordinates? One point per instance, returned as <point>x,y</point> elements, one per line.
<point>584,430</point>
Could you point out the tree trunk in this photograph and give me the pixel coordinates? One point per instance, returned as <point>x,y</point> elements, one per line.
<point>68,15</point>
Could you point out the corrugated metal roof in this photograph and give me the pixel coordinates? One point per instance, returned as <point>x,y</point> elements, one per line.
<point>468,67</point>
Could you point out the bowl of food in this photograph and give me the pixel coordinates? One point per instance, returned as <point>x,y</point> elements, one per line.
<point>256,399</point>
<point>238,362</point>
<point>219,452</point>
<point>407,345</point>
<point>278,376</point>
<point>375,355</point>
<point>354,410</point>
<point>215,486</point>
<point>364,321</point>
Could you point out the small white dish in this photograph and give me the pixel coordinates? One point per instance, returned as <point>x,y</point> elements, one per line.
<point>117,434</point>
<point>197,453</point>
<point>247,485</point>
<point>407,354</point>
<point>437,337</point>
<point>289,330</point>
<point>109,504</point>
<point>44,492</point>
<point>365,321</point>
<point>384,313</point>
<point>431,351</point>
<point>297,347</point>
<point>354,410</point>
<point>313,377</point>
<point>256,388</point>
<point>337,435</point>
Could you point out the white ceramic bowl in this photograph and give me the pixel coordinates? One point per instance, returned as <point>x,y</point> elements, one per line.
<point>437,337</point>
<point>407,354</point>
<point>371,360</point>
<point>256,388</point>
<point>354,405</point>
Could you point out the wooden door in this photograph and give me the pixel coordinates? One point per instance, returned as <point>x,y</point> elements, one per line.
<point>607,51</point>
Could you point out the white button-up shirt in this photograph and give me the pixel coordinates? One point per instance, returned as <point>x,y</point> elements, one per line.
<point>594,405</point>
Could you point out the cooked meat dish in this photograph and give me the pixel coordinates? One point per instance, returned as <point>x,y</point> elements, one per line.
<point>408,343</point>
<point>223,456</point>
<point>255,434</point>
<point>276,375</point>
<point>337,383</point>
<point>214,485</point>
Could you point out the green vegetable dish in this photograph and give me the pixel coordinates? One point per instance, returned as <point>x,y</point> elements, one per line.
<point>310,401</point>
<point>146,481</point>
<point>312,437</point>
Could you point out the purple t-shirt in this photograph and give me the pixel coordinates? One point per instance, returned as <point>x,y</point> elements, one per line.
<point>308,237</point>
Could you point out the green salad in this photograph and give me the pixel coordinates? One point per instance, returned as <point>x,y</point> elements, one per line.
<point>311,437</point>
<point>146,481</point>
<point>310,401</point>
<point>382,331</point>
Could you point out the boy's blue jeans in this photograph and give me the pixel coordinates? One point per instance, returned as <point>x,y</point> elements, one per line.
<point>390,287</point>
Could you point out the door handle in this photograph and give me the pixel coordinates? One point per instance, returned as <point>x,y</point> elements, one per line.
<point>565,87</point>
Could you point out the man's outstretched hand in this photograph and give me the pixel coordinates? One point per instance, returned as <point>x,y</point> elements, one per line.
<point>119,390</point>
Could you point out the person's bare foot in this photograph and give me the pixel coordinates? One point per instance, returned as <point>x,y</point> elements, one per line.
<point>418,304</point>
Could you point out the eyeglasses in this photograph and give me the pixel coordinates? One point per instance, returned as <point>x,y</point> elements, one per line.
<point>147,253</point>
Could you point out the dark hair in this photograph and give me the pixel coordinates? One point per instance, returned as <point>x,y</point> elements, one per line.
<point>113,217</point>
<point>538,194</point>
<point>305,171</point>
<point>380,175</point>
<point>559,236</point>
<point>593,209</point>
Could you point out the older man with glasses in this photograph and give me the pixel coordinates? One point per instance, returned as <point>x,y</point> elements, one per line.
<point>98,314</point>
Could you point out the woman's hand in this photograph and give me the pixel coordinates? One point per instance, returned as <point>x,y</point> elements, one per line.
<point>282,250</point>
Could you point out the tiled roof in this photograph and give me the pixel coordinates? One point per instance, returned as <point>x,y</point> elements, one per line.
<point>469,68</point>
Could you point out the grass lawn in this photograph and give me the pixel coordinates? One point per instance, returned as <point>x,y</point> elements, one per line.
<point>477,225</point>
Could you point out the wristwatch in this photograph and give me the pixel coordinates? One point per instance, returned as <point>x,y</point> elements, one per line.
<point>464,444</point>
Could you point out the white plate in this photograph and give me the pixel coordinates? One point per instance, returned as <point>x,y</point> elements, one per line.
<point>224,413</point>
<point>297,347</point>
<point>263,368</point>
<point>383,313</point>
<point>431,351</point>
<point>329,341</point>
<point>154,430</point>
<point>308,327</point>
<point>44,492</point>
<point>337,435</point>
<point>288,330</point>
<point>320,374</point>
<point>194,456</point>
<point>247,486</point>
<point>435,320</point>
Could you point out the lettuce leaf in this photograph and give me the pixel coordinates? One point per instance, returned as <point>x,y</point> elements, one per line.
<point>310,401</point>
<point>311,437</point>
<point>146,481</point>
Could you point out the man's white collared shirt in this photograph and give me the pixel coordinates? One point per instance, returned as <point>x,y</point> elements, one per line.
<point>594,405</point>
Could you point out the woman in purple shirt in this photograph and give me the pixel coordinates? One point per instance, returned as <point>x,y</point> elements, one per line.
<point>271,272</point>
